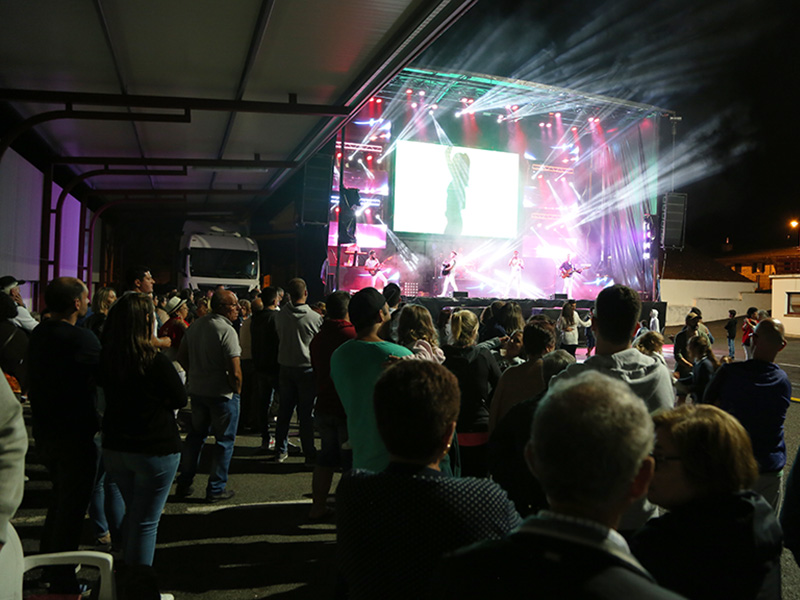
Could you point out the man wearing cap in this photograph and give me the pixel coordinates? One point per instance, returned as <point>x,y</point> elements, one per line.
<point>10,285</point>
<point>176,325</point>
<point>355,367</point>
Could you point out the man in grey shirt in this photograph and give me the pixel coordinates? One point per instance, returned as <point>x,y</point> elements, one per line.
<point>296,325</point>
<point>210,353</point>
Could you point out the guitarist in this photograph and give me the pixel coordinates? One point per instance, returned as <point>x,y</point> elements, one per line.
<point>375,268</point>
<point>567,270</point>
<point>449,274</point>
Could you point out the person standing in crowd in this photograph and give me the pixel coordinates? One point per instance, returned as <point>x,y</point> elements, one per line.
<point>138,279</point>
<point>748,328</point>
<point>141,443</point>
<point>13,344</point>
<point>704,365</point>
<point>394,526</point>
<point>730,328</point>
<point>616,311</point>
<point>264,345</point>
<point>567,326</point>
<point>296,324</point>
<point>478,373</point>
<point>176,325</point>
<point>654,324</point>
<point>329,416</point>
<point>523,381</point>
<point>210,355</point>
<point>719,539</point>
<point>101,303</point>
<point>355,367</point>
<point>573,550</point>
<point>758,393</point>
<point>247,416</point>
<point>10,286</point>
<point>62,361</point>
<point>13,446</point>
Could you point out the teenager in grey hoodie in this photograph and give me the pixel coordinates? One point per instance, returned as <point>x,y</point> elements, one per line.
<point>616,312</point>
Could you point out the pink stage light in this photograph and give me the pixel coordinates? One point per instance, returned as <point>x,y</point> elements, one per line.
<point>434,106</point>
<point>336,210</point>
<point>574,129</point>
<point>422,92</point>
<point>338,155</point>
<point>549,125</point>
<point>558,115</point>
<point>541,177</point>
<point>413,105</point>
<point>464,100</point>
<point>591,119</point>
<point>515,108</point>
<point>470,100</point>
<point>541,124</point>
<point>369,156</point>
<point>597,119</point>
<point>409,91</point>
<point>379,100</point>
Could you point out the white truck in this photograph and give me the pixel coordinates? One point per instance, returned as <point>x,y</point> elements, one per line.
<point>214,254</point>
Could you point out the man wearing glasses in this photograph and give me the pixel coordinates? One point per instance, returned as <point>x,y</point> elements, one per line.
<point>210,353</point>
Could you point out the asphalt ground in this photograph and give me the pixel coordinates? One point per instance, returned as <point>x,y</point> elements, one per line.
<point>260,544</point>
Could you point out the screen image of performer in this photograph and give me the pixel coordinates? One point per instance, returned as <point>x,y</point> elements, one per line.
<point>458,165</point>
<point>375,268</point>
<point>515,278</point>
<point>567,270</point>
<point>449,274</point>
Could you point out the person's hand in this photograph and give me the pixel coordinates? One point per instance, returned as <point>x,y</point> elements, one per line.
<point>16,296</point>
<point>513,346</point>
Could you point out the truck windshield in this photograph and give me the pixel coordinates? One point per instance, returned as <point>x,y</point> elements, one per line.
<point>224,264</point>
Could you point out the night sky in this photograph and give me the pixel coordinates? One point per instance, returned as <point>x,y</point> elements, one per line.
<point>727,68</point>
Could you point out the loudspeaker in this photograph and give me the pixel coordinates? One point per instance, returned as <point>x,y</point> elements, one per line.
<point>460,294</point>
<point>673,220</point>
<point>560,297</point>
<point>317,182</point>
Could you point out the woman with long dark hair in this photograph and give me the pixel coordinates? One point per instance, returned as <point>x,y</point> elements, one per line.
<point>141,444</point>
<point>568,324</point>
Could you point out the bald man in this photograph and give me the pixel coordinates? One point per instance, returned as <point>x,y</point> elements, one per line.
<point>758,392</point>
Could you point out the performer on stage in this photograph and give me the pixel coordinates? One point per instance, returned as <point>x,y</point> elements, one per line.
<point>517,265</point>
<point>458,165</point>
<point>567,270</point>
<point>375,268</point>
<point>449,274</point>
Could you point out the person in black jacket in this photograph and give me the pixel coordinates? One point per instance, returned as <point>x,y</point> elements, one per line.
<point>141,443</point>
<point>719,539</point>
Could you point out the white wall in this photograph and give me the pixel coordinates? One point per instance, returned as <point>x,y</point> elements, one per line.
<point>781,284</point>
<point>21,222</point>
<point>714,298</point>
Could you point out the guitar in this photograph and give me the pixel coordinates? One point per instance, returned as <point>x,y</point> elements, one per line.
<point>447,268</point>
<point>567,273</point>
<point>377,268</point>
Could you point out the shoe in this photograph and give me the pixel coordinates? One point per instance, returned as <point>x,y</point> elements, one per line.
<point>293,448</point>
<point>184,491</point>
<point>223,495</point>
<point>282,456</point>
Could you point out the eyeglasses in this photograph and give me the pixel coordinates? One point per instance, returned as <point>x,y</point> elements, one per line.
<point>661,459</point>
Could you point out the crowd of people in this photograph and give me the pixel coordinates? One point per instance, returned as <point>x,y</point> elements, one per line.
<point>479,457</point>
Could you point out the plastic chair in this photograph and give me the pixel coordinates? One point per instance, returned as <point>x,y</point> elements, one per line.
<point>102,561</point>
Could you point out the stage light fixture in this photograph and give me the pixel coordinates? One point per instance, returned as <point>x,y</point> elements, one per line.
<point>558,115</point>
<point>369,156</point>
<point>434,106</point>
<point>597,119</point>
<point>591,119</point>
<point>541,124</point>
<point>372,99</point>
<point>574,129</point>
<point>338,155</point>
<point>515,108</point>
<point>379,100</point>
<point>549,125</point>
<point>500,118</point>
<point>421,92</point>
<point>464,100</point>
<point>470,100</point>
<point>409,91</point>
<point>413,105</point>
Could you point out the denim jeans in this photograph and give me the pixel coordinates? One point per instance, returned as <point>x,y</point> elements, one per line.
<point>106,508</point>
<point>266,391</point>
<point>220,416</point>
<point>144,481</point>
<point>297,389</point>
<point>732,347</point>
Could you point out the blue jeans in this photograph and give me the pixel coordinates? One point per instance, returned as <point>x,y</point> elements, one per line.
<point>106,508</point>
<point>220,416</point>
<point>732,347</point>
<point>297,389</point>
<point>144,481</point>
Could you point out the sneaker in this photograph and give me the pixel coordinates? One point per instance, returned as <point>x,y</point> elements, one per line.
<point>184,491</point>
<point>226,494</point>
<point>282,456</point>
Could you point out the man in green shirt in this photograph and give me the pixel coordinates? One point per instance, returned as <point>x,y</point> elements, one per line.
<point>355,367</point>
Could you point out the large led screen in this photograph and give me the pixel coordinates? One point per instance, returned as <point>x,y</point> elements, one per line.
<point>455,191</point>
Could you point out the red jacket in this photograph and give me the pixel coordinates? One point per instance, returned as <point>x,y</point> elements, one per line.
<point>332,334</point>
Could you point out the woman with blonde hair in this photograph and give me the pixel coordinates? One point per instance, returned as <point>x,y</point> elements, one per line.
<point>719,539</point>
<point>416,332</point>
<point>477,373</point>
